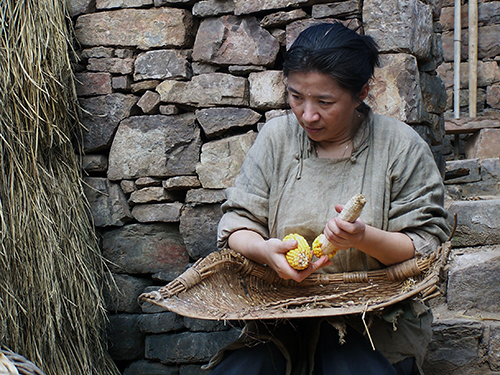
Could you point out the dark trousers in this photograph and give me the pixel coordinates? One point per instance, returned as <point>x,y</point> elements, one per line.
<point>354,357</point>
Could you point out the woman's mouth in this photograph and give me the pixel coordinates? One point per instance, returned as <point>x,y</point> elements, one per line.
<point>312,130</point>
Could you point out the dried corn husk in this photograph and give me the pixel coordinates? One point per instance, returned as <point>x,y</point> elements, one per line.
<point>51,278</point>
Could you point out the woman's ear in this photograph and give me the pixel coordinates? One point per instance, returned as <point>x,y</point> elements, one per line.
<point>364,92</point>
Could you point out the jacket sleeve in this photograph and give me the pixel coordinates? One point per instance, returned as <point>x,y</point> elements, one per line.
<point>247,204</point>
<point>417,197</point>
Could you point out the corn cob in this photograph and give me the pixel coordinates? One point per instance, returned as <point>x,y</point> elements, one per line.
<point>350,213</point>
<point>317,246</point>
<point>299,257</point>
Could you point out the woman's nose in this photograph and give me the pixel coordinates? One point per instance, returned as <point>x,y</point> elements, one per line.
<point>310,113</point>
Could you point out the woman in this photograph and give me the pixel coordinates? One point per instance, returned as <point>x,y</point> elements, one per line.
<point>294,178</point>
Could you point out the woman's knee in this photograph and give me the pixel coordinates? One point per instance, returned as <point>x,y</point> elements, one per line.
<point>261,359</point>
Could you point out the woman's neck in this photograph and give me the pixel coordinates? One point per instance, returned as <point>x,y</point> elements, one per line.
<point>334,150</point>
<point>343,146</point>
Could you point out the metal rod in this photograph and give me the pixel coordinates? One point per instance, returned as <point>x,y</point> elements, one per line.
<point>472,58</point>
<point>457,39</point>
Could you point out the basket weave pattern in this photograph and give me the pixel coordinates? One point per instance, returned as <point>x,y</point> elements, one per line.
<point>23,366</point>
<point>227,286</point>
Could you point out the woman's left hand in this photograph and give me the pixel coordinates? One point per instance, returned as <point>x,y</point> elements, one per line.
<point>343,234</point>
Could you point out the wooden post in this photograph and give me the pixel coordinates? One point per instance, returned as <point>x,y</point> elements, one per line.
<point>473,58</point>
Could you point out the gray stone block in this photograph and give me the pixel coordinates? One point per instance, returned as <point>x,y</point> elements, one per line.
<point>409,29</point>
<point>110,4</point>
<point>203,325</point>
<point>192,370</point>
<point>205,196</point>
<point>454,347</point>
<point>182,183</point>
<point>267,90</point>
<point>216,121</point>
<point>221,160</point>
<point>396,90</point>
<point>160,212</point>
<point>126,342</point>
<point>231,40</point>
<point>206,90</point>
<point>212,8</point>
<point>461,171</point>
<point>160,322</point>
<point>149,102</point>
<point>247,7</point>
<point>145,249</point>
<point>108,204</point>
<point>336,9</point>
<point>494,347</point>
<point>187,347</point>
<point>155,146</point>
<point>150,368</point>
<point>283,18</point>
<point>142,28</point>
<point>483,144</point>
<point>101,116</point>
<point>478,222</point>
<point>152,194</point>
<point>89,84</point>
<point>95,163</point>
<point>162,64</point>
<point>111,65</point>
<point>199,229</point>
<point>123,298</point>
<point>474,281</point>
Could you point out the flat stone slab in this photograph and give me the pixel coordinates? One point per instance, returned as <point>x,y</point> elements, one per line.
<point>470,125</point>
<point>206,90</point>
<point>231,40</point>
<point>454,345</point>
<point>478,222</point>
<point>155,146</point>
<point>145,249</point>
<point>474,282</point>
<point>141,28</point>
<point>187,347</point>
<point>483,144</point>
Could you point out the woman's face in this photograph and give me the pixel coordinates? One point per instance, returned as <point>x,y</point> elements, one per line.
<point>326,111</point>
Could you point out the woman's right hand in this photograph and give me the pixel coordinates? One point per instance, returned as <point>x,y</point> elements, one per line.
<point>272,253</point>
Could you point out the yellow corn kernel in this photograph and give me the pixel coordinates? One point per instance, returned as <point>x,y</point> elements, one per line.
<point>350,213</point>
<point>300,257</point>
<point>317,244</point>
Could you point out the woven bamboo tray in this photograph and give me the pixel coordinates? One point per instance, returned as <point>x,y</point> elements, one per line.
<point>227,286</point>
<point>23,366</point>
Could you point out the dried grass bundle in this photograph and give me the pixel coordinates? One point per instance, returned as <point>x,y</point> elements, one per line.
<point>51,271</point>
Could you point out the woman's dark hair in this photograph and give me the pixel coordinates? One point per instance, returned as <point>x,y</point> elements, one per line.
<point>335,50</point>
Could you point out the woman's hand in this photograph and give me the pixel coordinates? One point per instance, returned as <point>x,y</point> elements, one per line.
<point>343,234</point>
<point>272,253</point>
<point>387,247</point>
<point>279,263</point>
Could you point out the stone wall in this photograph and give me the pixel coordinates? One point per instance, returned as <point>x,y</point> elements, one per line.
<point>466,336</point>
<point>488,79</point>
<point>173,93</point>
<point>488,94</point>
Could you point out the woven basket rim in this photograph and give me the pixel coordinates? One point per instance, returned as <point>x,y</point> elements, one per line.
<point>23,365</point>
<point>225,285</point>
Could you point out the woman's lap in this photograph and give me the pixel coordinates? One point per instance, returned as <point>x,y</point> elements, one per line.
<point>355,356</point>
<point>261,359</point>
